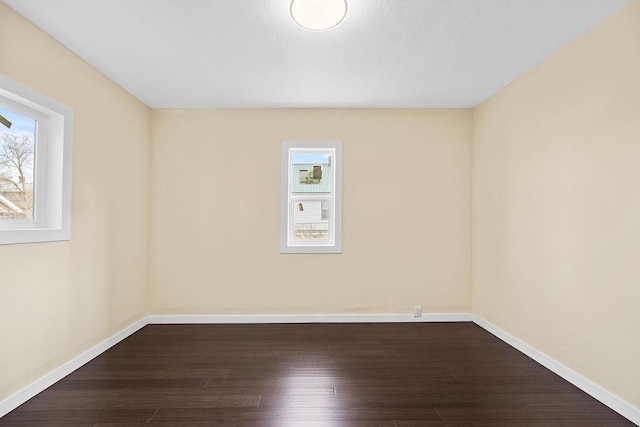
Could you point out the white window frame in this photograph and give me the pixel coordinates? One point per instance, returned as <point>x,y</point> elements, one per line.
<point>53,159</point>
<point>288,244</point>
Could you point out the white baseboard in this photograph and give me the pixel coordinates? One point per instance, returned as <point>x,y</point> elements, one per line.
<point>619,405</point>
<point>310,318</point>
<point>596,391</point>
<point>12,402</point>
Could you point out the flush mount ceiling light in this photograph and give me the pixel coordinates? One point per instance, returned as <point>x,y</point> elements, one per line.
<point>318,15</point>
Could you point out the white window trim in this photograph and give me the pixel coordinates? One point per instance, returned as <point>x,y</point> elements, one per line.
<point>53,167</point>
<point>287,246</point>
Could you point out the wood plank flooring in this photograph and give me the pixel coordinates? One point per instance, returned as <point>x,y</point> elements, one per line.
<point>373,375</point>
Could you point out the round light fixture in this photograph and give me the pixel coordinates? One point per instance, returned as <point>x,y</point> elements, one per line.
<point>318,15</point>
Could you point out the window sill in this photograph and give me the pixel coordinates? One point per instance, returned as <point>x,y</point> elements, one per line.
<point>33,235</point>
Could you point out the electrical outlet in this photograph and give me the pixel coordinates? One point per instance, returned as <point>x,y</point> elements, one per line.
<point>417,311</point>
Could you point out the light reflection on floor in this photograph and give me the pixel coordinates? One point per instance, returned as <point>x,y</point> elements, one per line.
<point>309,394</point>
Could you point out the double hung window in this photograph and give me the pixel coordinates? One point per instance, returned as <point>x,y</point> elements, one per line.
<point>311,197</point>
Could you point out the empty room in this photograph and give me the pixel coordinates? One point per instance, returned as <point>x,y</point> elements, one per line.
<point>380,213</point>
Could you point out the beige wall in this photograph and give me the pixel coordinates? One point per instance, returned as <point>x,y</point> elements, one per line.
<point>215,222</point>
<point>556,206</point>
<point>556,203</point>
<point>59,299</point>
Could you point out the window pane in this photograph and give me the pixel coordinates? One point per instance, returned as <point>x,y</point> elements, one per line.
<point>309,221</point>
<point>309,177</point>
<point>17,160</point>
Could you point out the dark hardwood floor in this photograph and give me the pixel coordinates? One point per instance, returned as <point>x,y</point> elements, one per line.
<point>392,375</point>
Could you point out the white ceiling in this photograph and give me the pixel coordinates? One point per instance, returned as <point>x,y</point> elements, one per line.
<point>249,54</point>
